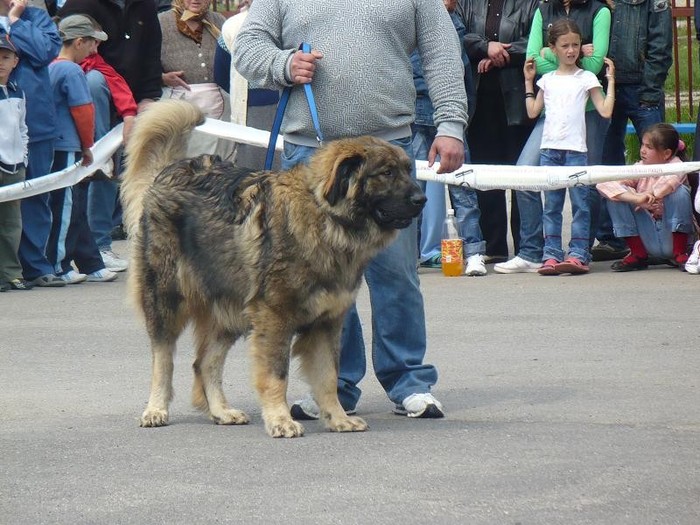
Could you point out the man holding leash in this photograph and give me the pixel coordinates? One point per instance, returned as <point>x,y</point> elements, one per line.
<point>363,83</point>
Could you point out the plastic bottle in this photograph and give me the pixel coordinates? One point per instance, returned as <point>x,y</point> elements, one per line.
<point>451,247</point>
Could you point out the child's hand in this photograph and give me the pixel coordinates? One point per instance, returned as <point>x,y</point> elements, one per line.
<point>610,69</point>
<point>87,157</point>
<point>529,69</point>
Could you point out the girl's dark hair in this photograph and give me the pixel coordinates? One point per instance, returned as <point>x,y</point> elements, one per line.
<point>664,136</point>
<point>560,27</point>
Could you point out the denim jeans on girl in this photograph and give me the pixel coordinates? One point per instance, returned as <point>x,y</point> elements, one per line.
<point>398,315</point>
<point>656,234</point>
<point>554,204</point>
<point>530,202</point>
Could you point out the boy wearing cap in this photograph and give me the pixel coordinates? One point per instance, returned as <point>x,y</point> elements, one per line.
<point>13,159</point>
<point>35,36</point>
<point>71,239</point>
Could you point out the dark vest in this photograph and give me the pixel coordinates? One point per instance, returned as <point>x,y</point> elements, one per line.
<point>582,13</point>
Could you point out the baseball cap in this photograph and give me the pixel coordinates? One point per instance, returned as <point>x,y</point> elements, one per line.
<point>77,26</point>
<point>6,44</point>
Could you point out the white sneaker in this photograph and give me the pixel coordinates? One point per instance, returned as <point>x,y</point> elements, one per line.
<point>101,276</point>
<point>73,277</point>
<point>113,262</point>
<point>517,265</point>
<point>306,409</point>
<point>420,405</point>
<point>692,265</point>
<point>475,265</point>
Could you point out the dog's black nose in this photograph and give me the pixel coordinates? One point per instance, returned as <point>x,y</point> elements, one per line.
<point>418,198</point>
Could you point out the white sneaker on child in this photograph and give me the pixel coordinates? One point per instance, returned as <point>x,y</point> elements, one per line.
<point>475,265</point>
<point>692,265</point>
<point>101,276</point>
<point>113,262</point>
<point>73,277</point>
<point>517,265</point>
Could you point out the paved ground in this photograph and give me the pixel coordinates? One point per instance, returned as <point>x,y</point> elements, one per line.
<point>569,400</point>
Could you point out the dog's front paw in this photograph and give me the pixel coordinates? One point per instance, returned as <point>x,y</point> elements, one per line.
<point>231,416</point>
<point>154,418</point>
<point>347,424</point>
<point>284,427</point>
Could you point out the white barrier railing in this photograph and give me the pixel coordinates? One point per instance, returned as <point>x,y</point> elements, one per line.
<point>477,176</point>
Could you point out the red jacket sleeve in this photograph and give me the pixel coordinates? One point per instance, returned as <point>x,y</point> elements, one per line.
<point>84,118</point>
<point>122,97</point>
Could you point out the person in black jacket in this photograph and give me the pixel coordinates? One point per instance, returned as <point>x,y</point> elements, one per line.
<point>133,49</point>
<point>496,40</point>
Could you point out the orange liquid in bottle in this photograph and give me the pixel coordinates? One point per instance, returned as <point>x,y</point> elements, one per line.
<point>452,257</point>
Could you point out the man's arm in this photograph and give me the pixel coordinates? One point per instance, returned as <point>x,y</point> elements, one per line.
<point>257,50</point>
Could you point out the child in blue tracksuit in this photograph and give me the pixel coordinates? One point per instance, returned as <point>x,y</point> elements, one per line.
<point>71,239</point>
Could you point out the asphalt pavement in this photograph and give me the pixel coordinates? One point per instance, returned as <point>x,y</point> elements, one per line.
<point>569,400</point>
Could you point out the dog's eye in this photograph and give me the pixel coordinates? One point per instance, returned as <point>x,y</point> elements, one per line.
<point>387,173</point>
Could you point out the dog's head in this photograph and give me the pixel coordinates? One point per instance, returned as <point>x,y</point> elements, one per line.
<point>373,177</point>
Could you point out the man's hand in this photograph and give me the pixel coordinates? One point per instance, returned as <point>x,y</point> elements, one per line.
<point>175,79</point>
<point>16,9</point>
<point>484,65</point>
<point>498,53</point>
<point>451,151</point>
<point>303,66</point>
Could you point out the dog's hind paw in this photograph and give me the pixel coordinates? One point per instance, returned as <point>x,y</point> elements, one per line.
<point>287,428</point>
<point>231,416</point>
<point>154,418</point>
<point>347,424</point>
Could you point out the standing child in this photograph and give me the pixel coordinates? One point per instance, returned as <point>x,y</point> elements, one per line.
<point>563,94</point>
<point>653,215</point>
<point>71,238</point>
<point>13,159</point>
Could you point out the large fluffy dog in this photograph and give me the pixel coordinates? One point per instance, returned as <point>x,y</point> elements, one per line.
<point>278,256</point>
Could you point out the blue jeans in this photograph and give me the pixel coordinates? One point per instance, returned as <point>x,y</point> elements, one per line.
<point>554,204</point>
<point>530,202</point>
<point>102,194</point>
<point>656,234</point>
<point>398,316</point>
<point>627,107</point>
<point>464,201</point>
<point>36,215</point>
<point>434,211</point>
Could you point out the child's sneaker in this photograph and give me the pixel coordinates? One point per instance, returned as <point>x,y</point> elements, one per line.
<point>101,276</point>
<point>549,267</point>
<point>420,405</point>
<point>692,265</point>
<point>19,284</point>
<point>73,277</point>
<point>572,265</point>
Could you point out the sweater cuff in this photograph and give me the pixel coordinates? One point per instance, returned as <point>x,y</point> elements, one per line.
<point>451,129</point>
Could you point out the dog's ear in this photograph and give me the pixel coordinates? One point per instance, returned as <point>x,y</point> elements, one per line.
<point>339,182</point>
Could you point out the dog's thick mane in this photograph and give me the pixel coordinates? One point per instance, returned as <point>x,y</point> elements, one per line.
<point>158,139</point>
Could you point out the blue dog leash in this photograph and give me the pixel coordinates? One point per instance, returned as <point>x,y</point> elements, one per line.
<point>282,105</point>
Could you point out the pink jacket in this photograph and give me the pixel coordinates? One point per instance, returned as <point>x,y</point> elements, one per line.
<point>661,186</point>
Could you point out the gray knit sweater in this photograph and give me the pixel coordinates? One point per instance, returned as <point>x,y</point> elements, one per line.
<point>364,83</point>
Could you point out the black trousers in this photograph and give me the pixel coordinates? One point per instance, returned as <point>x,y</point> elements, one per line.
<point>492,141</point>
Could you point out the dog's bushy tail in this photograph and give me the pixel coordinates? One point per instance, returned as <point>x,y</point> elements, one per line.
<point>158,139</point>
